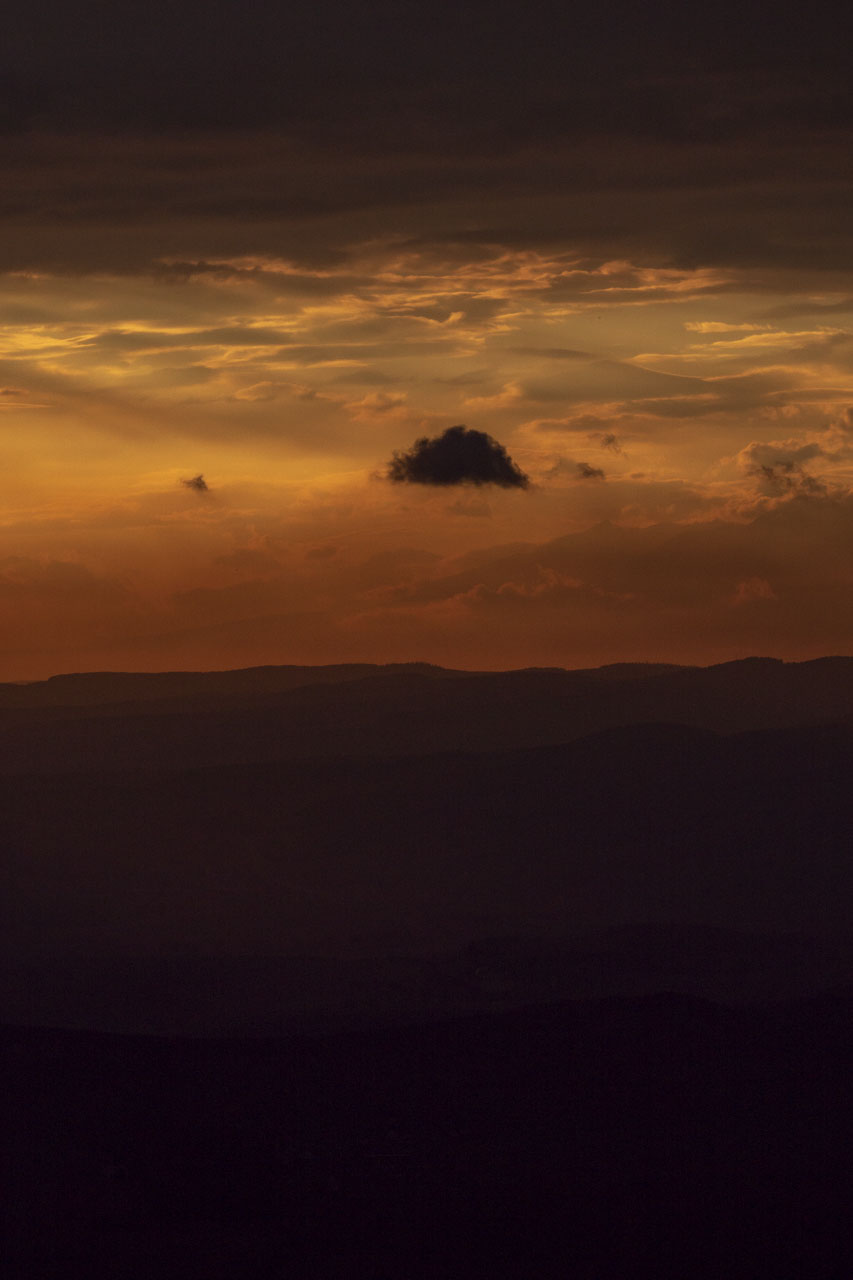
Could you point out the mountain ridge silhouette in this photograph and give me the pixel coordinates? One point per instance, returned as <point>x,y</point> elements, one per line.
<point>75,723</point>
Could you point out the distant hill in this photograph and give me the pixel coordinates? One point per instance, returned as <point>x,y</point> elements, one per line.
<point>179,720</point>
<point>111,688</point>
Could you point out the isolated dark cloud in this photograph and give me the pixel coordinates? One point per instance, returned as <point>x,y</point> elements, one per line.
<point>460,455</point>
<point>574,469</point>
<point>586,471</point>
<point>198,483</point>
<point>787,479</point>
<point>608,440</point>
<point>779,467</point>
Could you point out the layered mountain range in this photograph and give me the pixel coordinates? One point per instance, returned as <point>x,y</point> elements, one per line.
<point>256,850</point>
<point>116,720</point>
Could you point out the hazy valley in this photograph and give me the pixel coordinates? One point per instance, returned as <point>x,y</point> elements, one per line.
<point>339,962</point>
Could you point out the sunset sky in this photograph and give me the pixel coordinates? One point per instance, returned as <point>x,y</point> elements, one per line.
<point>270,248</point>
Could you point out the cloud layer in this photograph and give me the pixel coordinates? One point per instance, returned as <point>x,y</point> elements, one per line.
<point>282,249</point>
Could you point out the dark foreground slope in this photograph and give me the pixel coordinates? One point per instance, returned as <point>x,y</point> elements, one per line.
<point>665,1137</point>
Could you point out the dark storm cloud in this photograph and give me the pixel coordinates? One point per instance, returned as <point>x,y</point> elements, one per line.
<point>460,455</point>
<point>198,483</point>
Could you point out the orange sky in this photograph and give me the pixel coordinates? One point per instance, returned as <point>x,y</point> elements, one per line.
<point>280,313</point>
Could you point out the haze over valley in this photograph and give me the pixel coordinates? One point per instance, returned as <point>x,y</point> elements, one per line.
<point>238,849</point>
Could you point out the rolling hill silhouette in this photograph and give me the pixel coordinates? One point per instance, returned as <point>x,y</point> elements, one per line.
<point>177,720</point>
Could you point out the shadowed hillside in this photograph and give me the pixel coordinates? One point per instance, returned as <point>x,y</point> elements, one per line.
<point>645,825</point>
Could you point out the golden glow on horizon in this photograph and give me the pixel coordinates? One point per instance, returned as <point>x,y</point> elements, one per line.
<point>289,387</point>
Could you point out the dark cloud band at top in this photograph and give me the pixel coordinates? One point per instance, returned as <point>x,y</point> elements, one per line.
<point>461,455</point>
<point>383,69</point>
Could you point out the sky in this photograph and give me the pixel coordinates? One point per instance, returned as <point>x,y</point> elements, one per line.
<point>249,259</point>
